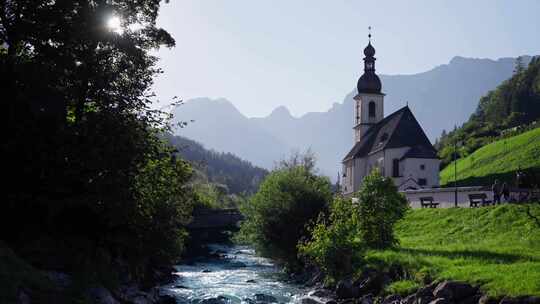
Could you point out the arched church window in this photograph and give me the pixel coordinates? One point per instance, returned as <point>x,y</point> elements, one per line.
<point>371,109</point>
<point>395,167</point>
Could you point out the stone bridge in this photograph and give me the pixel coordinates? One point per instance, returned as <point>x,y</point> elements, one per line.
<point>216,219</point>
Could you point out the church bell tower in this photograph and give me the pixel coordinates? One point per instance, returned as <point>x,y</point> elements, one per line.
<point>369,102</point>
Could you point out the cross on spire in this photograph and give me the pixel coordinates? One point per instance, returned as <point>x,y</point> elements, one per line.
<point>369,35</point>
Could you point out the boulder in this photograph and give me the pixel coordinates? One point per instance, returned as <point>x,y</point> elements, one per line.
<point>309,300</point>
<point>263,298</point>
<point>410,299</point>
<point>392,299</point>
<point>100,295</point>
<point>454,291</point>
<point>251,281</point>
<point>321,293</point>
<point>520,300</point>
<point>485,299</point>
<point>367,299</point>
<point>345,289</point>
<point>206,270</point>
<point>440,301</point>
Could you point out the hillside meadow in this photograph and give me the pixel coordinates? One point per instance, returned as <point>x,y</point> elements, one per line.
<point>499,159</point>
<point>497,248</point>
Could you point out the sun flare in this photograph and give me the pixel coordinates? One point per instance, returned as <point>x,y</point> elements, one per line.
<point>114,23</point>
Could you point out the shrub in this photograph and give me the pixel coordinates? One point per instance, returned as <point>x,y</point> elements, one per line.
<point>276,216</point>
<point>335,245</point>
<point>380,207</point>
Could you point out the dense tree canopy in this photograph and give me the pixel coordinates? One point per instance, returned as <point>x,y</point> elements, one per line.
<point>81,139</point>
<point>277,216</point>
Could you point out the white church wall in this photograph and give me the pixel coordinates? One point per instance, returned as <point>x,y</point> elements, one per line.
<point>390,155</point>
<point>430,171</point>
<point>445,196</point>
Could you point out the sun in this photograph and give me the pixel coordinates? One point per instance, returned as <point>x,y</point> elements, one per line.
<point>114,23</point>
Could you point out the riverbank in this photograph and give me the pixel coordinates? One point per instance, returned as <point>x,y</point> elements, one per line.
<point>20,282</point>
<point>490,253</point>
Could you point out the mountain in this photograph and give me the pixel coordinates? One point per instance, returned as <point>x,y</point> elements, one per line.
<point>440,98</point>
<point>510,108</point>
<point>221,127</point>
<point>238,175</point>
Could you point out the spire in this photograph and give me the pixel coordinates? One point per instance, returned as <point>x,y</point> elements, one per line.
<point>369,82</point>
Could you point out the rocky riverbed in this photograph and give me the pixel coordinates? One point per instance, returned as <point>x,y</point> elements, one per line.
<point>235,275</point>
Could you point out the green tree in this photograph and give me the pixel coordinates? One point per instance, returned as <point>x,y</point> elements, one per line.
<point>87,166</point>
<point>335,245</point>
<point>380,207</point>
<point>277,215</point>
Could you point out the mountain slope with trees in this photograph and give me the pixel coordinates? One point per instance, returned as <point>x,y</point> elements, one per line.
<point>239,176</point>
<point>507,110</point>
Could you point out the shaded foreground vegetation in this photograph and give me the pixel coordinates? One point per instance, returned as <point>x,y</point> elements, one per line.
<point>497,248</point>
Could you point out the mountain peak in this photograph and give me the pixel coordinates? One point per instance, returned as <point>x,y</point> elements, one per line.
<point>281,112</point>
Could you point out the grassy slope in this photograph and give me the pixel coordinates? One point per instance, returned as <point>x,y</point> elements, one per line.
<point>496,160</point>
<point>495,247</point>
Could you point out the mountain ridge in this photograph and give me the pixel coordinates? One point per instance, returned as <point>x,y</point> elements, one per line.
<point>440,98</point>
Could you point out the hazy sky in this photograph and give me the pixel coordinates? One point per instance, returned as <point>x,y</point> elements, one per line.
<point>306,55</point>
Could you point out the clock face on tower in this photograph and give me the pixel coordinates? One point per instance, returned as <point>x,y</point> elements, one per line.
<point>369,65</point>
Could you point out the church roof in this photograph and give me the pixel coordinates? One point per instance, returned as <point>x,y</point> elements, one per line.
<point>397,130</point>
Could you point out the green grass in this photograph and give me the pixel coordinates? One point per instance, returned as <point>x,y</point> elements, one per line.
<point>499,159</point>
<point>497,248</point>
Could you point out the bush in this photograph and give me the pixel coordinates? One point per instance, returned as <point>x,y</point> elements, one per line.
<point>335,245</point>
<point>380,207</point>
<point>276,216</point>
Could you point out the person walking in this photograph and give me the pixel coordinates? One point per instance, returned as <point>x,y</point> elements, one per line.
<point>505,192</point>
<point>496,188</point>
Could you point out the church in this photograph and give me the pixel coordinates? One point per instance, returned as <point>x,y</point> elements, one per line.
<point>396,144</point>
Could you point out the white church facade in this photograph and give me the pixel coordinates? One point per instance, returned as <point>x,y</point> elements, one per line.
<point>396,144</point>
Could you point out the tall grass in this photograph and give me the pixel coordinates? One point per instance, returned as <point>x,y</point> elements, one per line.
<point>497,248</point>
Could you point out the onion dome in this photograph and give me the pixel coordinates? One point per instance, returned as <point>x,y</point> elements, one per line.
<point>369,51</point>
<point>369,82</point>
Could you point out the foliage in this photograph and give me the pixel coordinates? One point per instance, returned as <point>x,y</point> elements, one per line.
<point>277,215</point>
<point>499,160</point>
<point>87,167</point>
<point>239,176</point>
<point>514,103</point>
<point>15,272</point>
<point>497,247</point>
<point>335,245</point>
<point>380,207</point>
<point>403,287</point>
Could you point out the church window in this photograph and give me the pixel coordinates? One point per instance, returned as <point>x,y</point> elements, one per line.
<point>422,167</point>
<point>395,167</point>
<point>422,181</point>
<point>371,109</point>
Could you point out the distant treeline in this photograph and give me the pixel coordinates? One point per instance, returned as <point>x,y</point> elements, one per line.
<point>238,175</point>
<point>507,110</point>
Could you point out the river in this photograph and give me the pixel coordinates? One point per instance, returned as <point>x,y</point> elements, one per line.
<point>238,277</point>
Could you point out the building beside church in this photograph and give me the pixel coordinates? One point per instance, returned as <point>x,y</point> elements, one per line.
<point>396,144</point>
